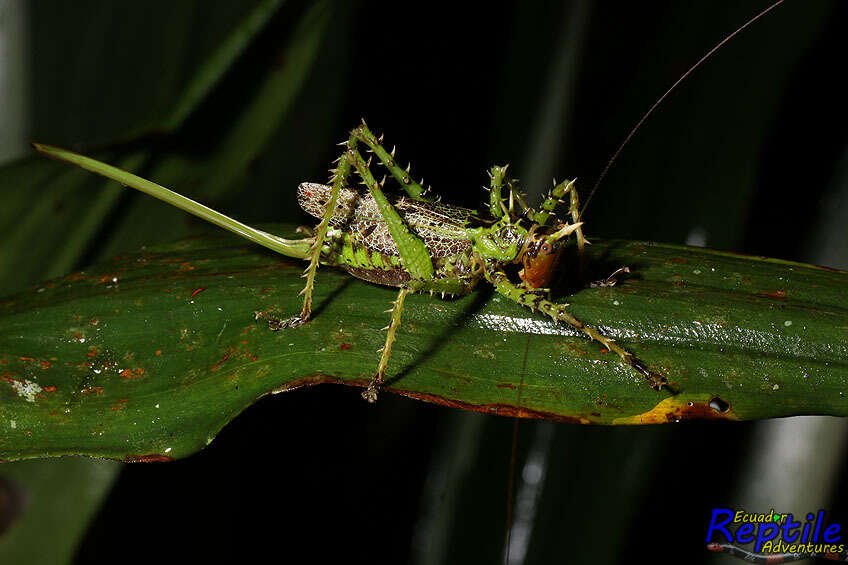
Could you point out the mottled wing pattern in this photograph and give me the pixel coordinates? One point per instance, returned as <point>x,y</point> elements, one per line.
<point>441,227</point>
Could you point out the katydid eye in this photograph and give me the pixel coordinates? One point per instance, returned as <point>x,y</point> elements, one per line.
<point>546,248</point>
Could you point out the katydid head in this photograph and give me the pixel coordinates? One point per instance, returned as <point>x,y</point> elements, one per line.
<point>540,255</point>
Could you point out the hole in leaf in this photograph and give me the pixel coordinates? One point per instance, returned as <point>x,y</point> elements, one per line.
<point>719,405</point>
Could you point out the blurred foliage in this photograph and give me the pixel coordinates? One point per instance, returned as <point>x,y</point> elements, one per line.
<point>739,158</point>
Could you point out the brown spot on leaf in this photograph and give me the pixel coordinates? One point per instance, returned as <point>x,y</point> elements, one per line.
<point>218,364</point>
<point>779,294</point>
<point>120,405</point>
<point>128,374</point>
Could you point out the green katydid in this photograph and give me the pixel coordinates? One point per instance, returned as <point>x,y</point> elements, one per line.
<point>415,242</point>
<point>412,242</point>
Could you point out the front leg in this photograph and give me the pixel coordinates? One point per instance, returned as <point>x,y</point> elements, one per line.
<point>548,209</point>
<point>559,313</point>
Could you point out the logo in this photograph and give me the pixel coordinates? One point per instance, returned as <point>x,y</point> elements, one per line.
<point>774,537</point>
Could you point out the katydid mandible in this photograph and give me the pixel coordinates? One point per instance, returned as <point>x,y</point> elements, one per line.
<point>413,241</point>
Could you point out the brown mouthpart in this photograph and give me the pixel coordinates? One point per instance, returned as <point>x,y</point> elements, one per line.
<point>540,256</point>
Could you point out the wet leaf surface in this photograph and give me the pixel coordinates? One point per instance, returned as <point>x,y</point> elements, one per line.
<point>146,357</point>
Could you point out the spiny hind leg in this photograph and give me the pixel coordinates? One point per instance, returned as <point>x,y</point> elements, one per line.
<point>414,257</point>
<point>402,176</point>
<point>559,313</point>
<point>373,389</point>
<point>339,178</point>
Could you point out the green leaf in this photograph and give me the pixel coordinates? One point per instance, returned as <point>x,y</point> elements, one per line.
<point>54,218</point>
<point>148,356</point>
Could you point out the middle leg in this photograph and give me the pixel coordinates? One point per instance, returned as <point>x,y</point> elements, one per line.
<point>370,393</point>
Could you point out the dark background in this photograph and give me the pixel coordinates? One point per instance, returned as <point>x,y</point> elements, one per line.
<point>748,155</point>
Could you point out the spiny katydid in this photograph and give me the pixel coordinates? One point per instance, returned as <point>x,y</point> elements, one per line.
<point>413,242</point>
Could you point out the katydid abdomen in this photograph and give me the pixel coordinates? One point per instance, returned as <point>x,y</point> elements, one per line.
<point>359,240</point>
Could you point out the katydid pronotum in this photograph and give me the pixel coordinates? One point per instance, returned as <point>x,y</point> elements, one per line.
<point>413,242</point>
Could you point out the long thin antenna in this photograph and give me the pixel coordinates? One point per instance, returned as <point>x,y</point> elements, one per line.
<point>667,92</point>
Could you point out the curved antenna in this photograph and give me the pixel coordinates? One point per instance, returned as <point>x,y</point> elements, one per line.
<point>638,125</point>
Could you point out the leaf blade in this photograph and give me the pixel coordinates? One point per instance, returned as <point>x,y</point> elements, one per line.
<point>148,356</point>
